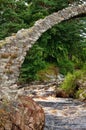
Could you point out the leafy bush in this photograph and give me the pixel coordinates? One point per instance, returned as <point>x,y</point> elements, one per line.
<point>32,64</point>
<point>70,83</point>
<point>49,73</point>
<point>66,66</point>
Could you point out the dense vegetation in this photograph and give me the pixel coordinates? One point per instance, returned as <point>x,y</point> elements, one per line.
<point>74,84</point>
<point>63,46</point>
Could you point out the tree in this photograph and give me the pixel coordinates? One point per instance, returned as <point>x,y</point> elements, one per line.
<point>13,16</point>
<point>32,64</point>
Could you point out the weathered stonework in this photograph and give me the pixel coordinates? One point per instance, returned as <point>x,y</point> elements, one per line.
<point>13,49</point>
<point>23,114</point>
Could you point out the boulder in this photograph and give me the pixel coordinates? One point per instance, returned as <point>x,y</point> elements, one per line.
<point>61,93</point>
<point>81,83</point>
<point>81,92</point>
<point>22,114</point>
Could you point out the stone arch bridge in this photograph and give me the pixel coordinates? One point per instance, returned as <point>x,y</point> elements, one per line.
<point>13,49</point>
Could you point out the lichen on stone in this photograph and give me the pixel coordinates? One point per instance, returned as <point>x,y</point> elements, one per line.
<point>2,42</point>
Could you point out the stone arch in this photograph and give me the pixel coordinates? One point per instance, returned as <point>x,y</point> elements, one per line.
<point>13,49</point>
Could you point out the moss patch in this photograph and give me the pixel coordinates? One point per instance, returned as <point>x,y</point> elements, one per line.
<point>2,43</point>
<point>7,40</point>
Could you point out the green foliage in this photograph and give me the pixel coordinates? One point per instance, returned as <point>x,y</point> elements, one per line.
<point>80,91</point>
<point>50,71</point>
<point>66,66</point>
<point>33,63</point>
<point>12,16</point>
<point>70,83</point>
<point>58,43</point>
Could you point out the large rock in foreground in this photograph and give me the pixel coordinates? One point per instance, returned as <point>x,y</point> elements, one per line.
<point>23,114</point>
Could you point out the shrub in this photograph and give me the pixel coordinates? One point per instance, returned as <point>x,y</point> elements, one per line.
<point>32,64</point>
<point>70,83</point>
<point>66,66</point>
<point>49,73</point>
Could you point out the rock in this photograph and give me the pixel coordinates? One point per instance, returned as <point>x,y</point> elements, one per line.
<point>82,95</point>
<point>81,92</point>
<point>82,82</point>
<point>61,93</point>
<point>23,114</point>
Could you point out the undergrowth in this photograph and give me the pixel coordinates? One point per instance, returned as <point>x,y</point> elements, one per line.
<point>70,83</point>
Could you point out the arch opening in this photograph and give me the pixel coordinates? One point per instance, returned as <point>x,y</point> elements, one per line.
<point>52,51</point>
